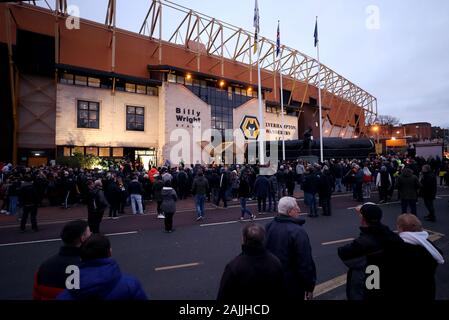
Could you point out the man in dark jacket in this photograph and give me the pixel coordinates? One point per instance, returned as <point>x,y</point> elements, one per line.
<point>255,274</point>
<point>408,186</point>
<point>135,191</point>
<point>261,189</point>
<point>325,189</point>
<point>168,206</point>
<point>367,250</point>
<point>96,204</point>
<point>222,188</point>
<point>428,191</point>
<point>50,279</point>
<point>182,183</point>
<point>157,190</point>
<point>100,275</point>
<point>29,199</point>
<point>310,187</point>
<point>200,188</point>
<point>288,241</point>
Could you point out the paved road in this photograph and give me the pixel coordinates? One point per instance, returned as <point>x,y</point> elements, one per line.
<point>188,263</point>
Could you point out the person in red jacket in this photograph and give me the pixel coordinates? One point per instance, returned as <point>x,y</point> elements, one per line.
<point>50,279</point>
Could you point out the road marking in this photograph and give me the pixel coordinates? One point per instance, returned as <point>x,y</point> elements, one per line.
<point>58,239</point>
<point>378,204</point>
<point>233,221</point>
<point>330,285</point>
<point>178,266</point>
<point>121,233</point>
<point>336,241</point>
<point>237,221</point>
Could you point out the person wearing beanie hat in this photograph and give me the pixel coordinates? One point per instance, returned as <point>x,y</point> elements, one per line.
<point>367,250</point>
<point>287,240</point>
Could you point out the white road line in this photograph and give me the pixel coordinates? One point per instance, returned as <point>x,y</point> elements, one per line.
<point>330,285</point>
<point>58,239</point>
<point>121,233</point>
<point>336,241</point>
<point>178,266</point>
<point>231,222</point>
<point>236,221</point>
<point>379,204</point>
<point>27,242</point>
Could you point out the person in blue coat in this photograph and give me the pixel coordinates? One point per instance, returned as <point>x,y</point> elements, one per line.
<point>287,240</point>
<point>100,275</point>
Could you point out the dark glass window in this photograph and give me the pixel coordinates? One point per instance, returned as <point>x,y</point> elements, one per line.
<point>135,118</point>
<point>88,114</point>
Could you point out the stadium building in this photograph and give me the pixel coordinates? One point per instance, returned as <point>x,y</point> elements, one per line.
<point>74,85</point>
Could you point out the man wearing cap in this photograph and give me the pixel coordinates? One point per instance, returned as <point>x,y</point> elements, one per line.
<point>287,240</point>
<point>367,250</point>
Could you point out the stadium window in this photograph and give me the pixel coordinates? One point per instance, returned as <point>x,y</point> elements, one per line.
<point>130,87</point>
<point>171,77</point>
<point>106,83</point>
<point>93,82</point>
<point>117,152</point>
<point>67,152</point>
<point>203,84</point>
<point>92,151</point>
<point>104,152</point>
<point>189,81</point>
<point>66,78</point>
<point>81,80</point>
<point>135,118</point>
<point>88,114</point>
<point>196,82</point>
<point>140,89</point>
<point>180,79</point>
<point>152,91</point>
<point>78,150</point>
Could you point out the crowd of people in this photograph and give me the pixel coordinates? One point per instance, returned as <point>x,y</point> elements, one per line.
<point>128,184</point>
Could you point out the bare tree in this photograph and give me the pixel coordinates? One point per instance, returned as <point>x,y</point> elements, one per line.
<point>388,120</point>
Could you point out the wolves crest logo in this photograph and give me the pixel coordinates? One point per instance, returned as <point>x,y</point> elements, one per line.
<point>250,127</point>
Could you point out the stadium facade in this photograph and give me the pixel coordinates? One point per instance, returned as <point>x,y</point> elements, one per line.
<point>81,86</point>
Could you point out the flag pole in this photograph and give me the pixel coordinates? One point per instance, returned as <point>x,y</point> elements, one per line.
<point>319,91</point>
<point>261,136</point>
<point>282,99</point>
<point>261,117</point>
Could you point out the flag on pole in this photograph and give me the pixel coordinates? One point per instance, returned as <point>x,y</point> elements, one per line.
<point>256,26</point>
<point>315,34</point>
<point>278,42</point>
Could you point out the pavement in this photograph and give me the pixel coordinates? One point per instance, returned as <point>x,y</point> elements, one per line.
<point>188,263</point>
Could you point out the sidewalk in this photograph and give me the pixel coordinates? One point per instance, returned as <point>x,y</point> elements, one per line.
<point>79,211</point>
